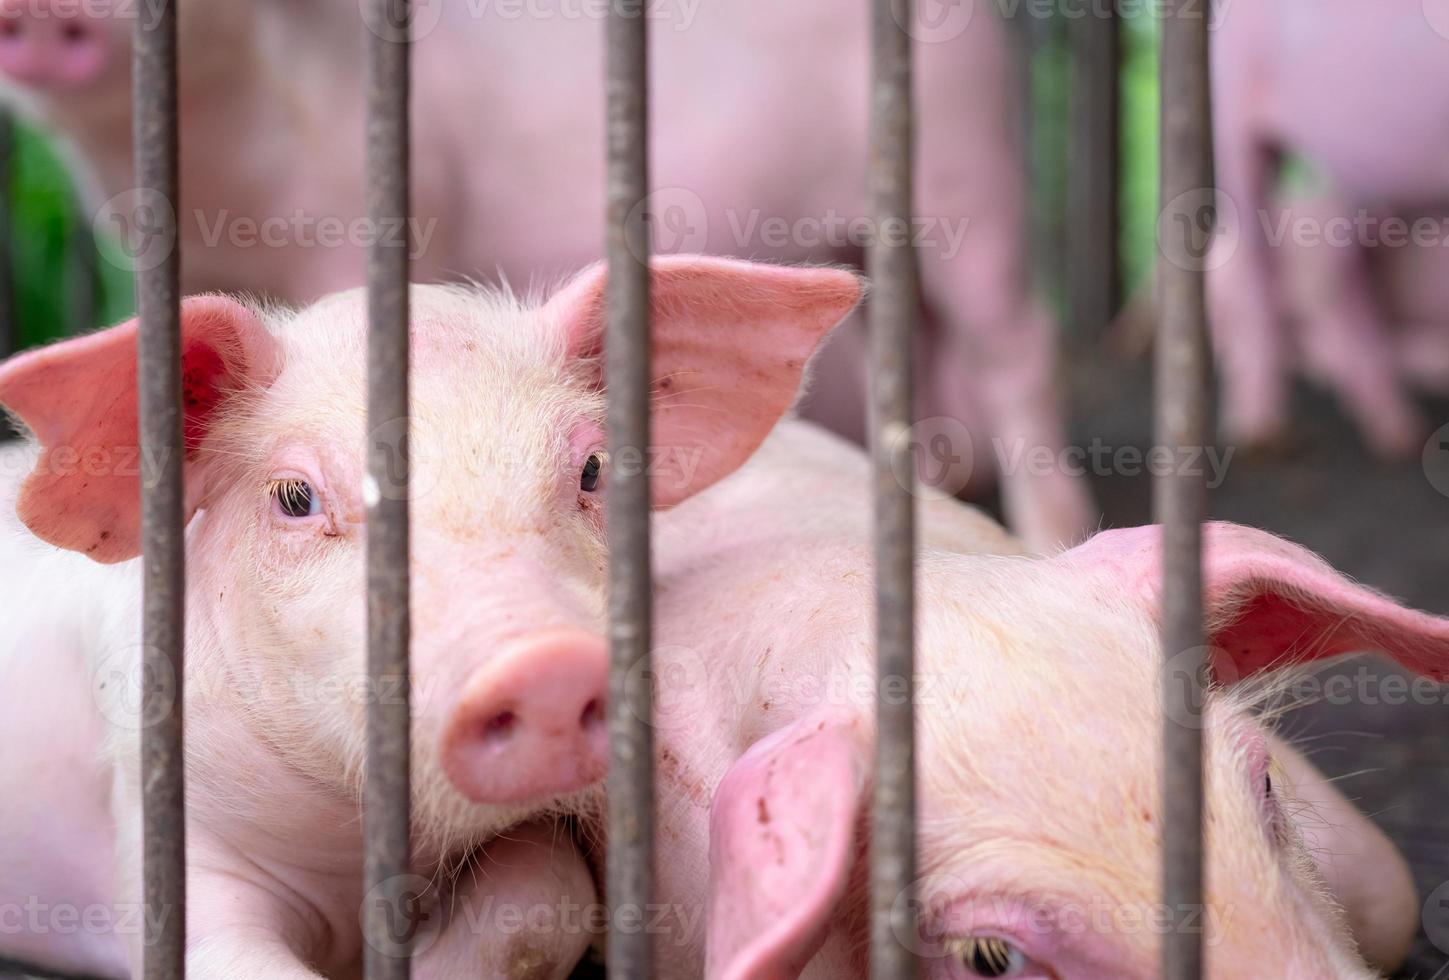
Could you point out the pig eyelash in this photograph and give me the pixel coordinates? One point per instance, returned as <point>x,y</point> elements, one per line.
<point>988,956</point>
<point>295,498</point>
<point>1273,803</point>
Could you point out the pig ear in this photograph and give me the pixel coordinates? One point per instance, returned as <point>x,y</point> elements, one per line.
<point>1270,603</point>
<point>781,844</point>
<point>79,399</point>
<point>730,343</point>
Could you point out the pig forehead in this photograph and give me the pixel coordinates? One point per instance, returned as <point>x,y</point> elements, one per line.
<point>455,330</point>
<point>483,367</point>
<point>1103,875</point>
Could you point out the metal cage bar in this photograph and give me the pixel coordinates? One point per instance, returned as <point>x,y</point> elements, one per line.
<point>390,901</point>
<point>631,742</point>
<point>891,263</point>
<point>158,297</point>
<point>1180,498</point>
<point>1093,286</point>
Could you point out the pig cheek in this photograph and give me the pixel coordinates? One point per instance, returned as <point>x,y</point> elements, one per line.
<point>302,592</point>
<point>588,534</point>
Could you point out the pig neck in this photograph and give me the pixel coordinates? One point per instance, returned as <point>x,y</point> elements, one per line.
<point>250,813</point>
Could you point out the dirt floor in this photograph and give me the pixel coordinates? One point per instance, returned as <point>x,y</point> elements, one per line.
<point>1385,524</point>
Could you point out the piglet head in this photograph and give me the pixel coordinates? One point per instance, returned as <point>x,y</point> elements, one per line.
<point>1040,775</point>
<point>509,472</point>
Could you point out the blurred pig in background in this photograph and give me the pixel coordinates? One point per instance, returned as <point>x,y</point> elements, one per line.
<point>760,124</point>
<point>271,115</point>
<point>1359,93</point>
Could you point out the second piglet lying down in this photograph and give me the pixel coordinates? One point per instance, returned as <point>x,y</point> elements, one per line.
<point>1039,764</point>
<point>509,662</point>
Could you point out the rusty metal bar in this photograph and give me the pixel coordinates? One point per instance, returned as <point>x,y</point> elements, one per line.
<point>158,297</point>
<point>631,742</point>
<point>891,263</point>
<point>390,904</point>
<point>1093,288</point>
<point>1180,499</point>
<point>9,327</point>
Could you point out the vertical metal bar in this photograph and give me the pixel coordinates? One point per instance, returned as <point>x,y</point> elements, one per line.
<point>388,915</point>
<point>9,329</point>
<point>158,297</point>
<point>1182,396</point>
<point>631,743</point>
<point>1092,268</point>
<point>891,263</point>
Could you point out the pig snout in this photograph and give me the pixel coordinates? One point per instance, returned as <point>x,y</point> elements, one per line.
<point>46,44</point>
<point>530,723</point>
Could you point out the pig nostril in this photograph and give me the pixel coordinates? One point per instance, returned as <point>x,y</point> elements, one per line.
<point>499,728</point>
<point>9,27</point>
<point>74,34</point>
<point>592,716</point>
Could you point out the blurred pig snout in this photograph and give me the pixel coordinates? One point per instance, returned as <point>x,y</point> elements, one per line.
<point>52,44</point>
<point>530,723</point>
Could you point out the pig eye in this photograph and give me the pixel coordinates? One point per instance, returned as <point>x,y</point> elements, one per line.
<point>295,499</point>
<point>589,479</point>
<point>989,956</point>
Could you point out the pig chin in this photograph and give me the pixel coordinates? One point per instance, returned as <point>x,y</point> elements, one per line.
<point>448,826</point>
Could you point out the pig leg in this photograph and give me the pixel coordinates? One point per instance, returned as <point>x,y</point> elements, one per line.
<point>971,198</point>
<point>995,337</point>
<point>1345,344</point>
<point>519,910</point>
<point>1010,351</point>
<point>241,923</point>
<point>1361,866</point>
<point>1243,306</point>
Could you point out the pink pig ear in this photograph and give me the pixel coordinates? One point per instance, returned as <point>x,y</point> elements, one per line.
<point>730,344</point>
<point>781,845</point>
<point>79,399</point>
<point>1271,603</point>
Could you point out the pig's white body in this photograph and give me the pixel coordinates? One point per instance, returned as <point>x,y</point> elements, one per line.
<point>57,833</point>
<point>1038,736</point>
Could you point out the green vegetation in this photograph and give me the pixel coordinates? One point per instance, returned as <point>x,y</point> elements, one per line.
<point>48,230</point>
